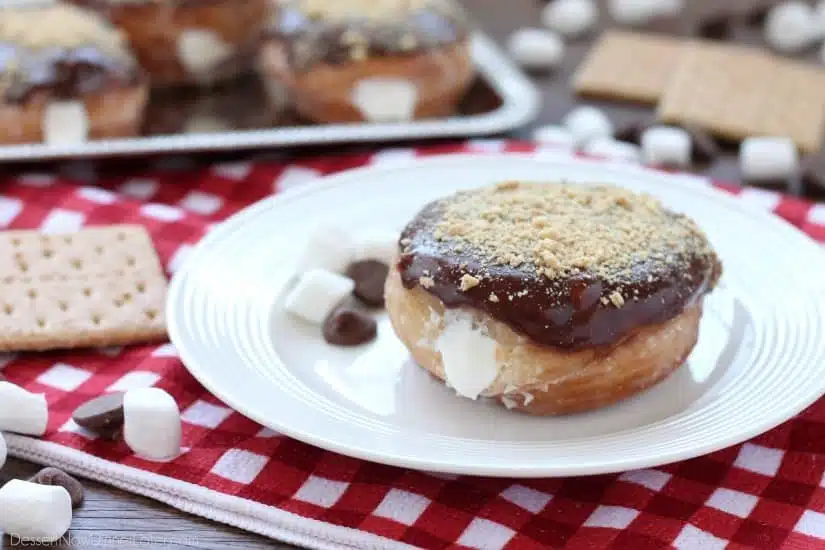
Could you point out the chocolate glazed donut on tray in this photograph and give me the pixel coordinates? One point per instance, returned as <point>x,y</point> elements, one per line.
<point>550,298</point>
<point>373,60</point>
<point>67,75</point>
<point>189,42</point>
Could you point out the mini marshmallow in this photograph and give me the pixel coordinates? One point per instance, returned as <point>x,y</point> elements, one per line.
<point>639,12</point>
<point>316,294</point>
<point>382,99</point>
<point>41,513</point>
<point>65,123</point>
<point>666,146</point>
<point>570,17</point>
<point>554,135</point>
<point>21,411</point>
<point>3,450</point>
<point>469,355</point>
<point>201,51</point>
<point>768,158</point>
<point>328,247</point>
<point>377,245</point>
<point>586,123</point>
<point>536,48</point>
<point>669,7</point>
<point>151,423</point>
<point>792,26</point>
<point>612,149</point>
<point>632,12</point>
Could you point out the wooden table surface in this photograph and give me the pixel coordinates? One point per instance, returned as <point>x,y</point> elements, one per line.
<point>112,519</point>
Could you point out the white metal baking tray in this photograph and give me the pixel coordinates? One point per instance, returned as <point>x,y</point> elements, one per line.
<point>518,104</point>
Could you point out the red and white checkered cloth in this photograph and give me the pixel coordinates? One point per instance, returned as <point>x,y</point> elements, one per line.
<point>767,493</point>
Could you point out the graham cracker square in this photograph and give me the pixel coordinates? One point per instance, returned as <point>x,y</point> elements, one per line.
<point>94,287</point>
<point>629,66</point>
<point>736,92</point>
<point>90,252</point>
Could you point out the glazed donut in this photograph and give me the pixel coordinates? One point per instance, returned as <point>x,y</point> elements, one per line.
<point>66,76</point>
<point>550,298</point>
<point>190,42</point>
<point>368,60</point>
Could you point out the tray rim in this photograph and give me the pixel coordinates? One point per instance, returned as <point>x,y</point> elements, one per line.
<point>520,105</point>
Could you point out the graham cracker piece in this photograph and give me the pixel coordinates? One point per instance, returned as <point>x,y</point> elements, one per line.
<point>630,66</point>
<point>736,92</point>
<point>91,252</point>
<point>70,313</point>
<point>95,287</point>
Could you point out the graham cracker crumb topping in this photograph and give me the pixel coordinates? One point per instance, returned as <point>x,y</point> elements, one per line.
<point>468,282</point>
<point>372,9</point>
<point>616,298</point>
<point>59,25</point>
<point>557,230</point>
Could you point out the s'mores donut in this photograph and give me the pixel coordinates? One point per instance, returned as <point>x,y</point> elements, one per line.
<point>189,42</point>
<point>550,298</point>
<point>66,76</point>
<point>368,60</point>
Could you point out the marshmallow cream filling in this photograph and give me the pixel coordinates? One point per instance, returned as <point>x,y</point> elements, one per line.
<point>65,123</point>
<point>385,99</point>
<point>468,355</point>
<point>200,51</point>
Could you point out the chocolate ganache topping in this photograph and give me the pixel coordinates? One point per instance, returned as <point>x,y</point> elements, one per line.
<point>340,31</point>
<point>567,266</point>
<point>60,49</point>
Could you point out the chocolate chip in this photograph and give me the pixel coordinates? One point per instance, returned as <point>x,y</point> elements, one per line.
<point>716,28</point>
<point>813,172</point>
<point>56,476</point>
<point>776,184</point>
<point>348,326</point>
<point>705,147</point>
<point>631,130</point>
<point>669,24</point>
<point>755,11</point>
<point>102,415</point>
<point>369,277</point>
<point>715,19</point>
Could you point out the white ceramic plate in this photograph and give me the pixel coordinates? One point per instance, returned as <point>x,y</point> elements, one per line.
<point>759,361</point>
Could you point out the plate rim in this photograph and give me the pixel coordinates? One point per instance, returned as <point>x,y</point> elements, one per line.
<point>350,177</point>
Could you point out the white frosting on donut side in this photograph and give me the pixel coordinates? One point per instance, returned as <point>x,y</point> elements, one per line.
<point>468,355</point>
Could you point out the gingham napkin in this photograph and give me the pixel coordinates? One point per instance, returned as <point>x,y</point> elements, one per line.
<point>767,493</point>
